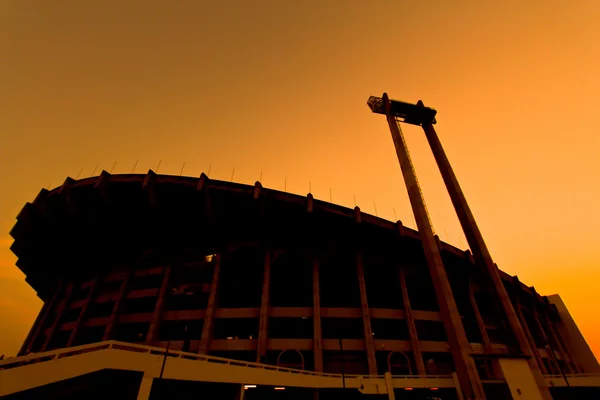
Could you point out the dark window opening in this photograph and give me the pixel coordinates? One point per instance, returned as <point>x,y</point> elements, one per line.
<point>497,336</point>
<point>421,292</point>
<point>188,298</point>
<point>138,306</point>
<point>431,331</point>
<point>101,310</point>
<point>350,362</point>
<point>70,315</point>
<point>193,273</point>
<point>59,340</point>
<point>190,329</point>
<point>90,334</point>
<point>236,328</point>
<point>132,332</point>
<point>80,294</point>
<point>342,328</point>
<point>146,282</point>
<point>241,280</point>
<point>290,358</point>
<point>339,281</point>
<point>110,287</point>
<point>484,368</point>
<point>39,342</point>
<point>291,328</point>
<point>291,281</point>
<point>399,363</point>
<point>382,282</point>
<point>488,311</point>
<point>534,329</point>
<point>438,363</point>
<point>392,329</point>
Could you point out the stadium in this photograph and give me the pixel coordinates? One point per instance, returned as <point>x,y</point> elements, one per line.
<point>258,293</point>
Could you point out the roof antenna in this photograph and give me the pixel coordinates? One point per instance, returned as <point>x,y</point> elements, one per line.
<point>330,198</point>
<point>95,170</point>
<point>158,166</point>
<point>232,172</point>
<point>209,167</point>
<point>285,185</point>
<point>354,199</point>
<point>182,167</point>
<point>77,177</point>
<point>375,209</point>
<point>260,180</point>
<point>134,165</point>
<point>309,187</point>
<point>395,217</point>
<point>113,167</point>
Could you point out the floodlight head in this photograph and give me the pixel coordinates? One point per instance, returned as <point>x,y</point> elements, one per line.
<point>415,114</point>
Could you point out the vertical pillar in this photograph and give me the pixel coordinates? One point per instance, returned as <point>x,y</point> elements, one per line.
<point>264,310</point>
<point>145,388</point>
<point>40,321</point>
<point>574,366</point>
<point>465,365</point>
<point>317,334</point>
<point>56,324</point>
<point>209,317</point>
<point>90,298</point>
<point>529,336</point>
<point>487,345</point>
<point>410,322</point>
<point>389,383</point>
<point>369,346</point>
<point>158,309</point>
<point>481,252</point>
<point>112,322</point>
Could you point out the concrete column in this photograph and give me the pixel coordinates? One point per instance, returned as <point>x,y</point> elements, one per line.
<point>461,350</point>
<point>40,322</point>
<point>481,252</point>
<point>487,345</point>
<point>158,309</point>
<point>410,322</point>
<point>554,334</point>
<point>390,386</point>
<point>145,388</point>
<point>209,317</point>
<point>89,300</point>
<point>564,355</point>
<point>530,338</point>
<point>112,322</point>
<point>264,310</point>
<point>56,324</point>
<point>317,334</point>
<point>369,345</point>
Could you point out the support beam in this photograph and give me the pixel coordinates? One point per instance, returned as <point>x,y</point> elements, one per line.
<point>317,333</point>
<point>264,309</point>
<point>369,344</point>
<point>89,300</point>
<point>145,388</point>
<point>412,329</point>
<point>158,309</point>
<point>57,322</point>
<point>481,252</point>
<point>465,365</point>
<point>112,322</point>
<point>40,322</point>
<point>487,345</point>
<point>209,317</point>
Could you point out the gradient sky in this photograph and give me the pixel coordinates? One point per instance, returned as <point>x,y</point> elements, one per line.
<point>280,88</point>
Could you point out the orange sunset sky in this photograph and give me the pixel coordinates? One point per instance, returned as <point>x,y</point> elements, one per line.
<point>280,88</point>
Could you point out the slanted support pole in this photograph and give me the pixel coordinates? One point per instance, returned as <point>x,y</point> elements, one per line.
<point>159,307</point>
<point>481,252</point>
<point>368,332</point>
<point>410,322</point>
<point>465,365</point>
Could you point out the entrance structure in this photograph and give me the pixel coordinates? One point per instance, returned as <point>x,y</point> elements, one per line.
<point>396,112</point>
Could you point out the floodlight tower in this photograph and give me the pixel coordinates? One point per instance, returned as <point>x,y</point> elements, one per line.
<point>396,112</point>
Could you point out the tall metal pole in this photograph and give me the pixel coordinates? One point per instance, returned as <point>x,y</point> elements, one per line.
<point>343,365</point>
<point>460,348</point>
<point>481,252</point>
